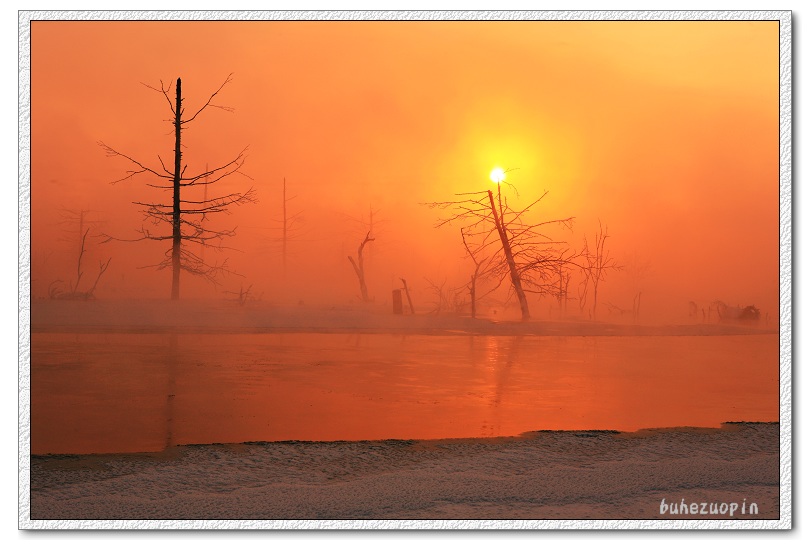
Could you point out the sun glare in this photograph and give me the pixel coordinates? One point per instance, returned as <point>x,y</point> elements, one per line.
<point>497,175</point>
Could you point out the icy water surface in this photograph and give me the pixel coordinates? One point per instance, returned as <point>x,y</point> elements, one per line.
<point>102,393</point>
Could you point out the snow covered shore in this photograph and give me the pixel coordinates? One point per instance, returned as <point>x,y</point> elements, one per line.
<point>538,476</point>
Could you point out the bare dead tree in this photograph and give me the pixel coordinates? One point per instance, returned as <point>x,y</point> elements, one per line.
<point>359,268</point>
<point>482,269</point>
<point>286,230</point>
<point>525,255</point>
<point>563,284</point>
<point>596,262</point>
<point>474,277</point>
<point>371,223</point>
<point>56,291</point>
<point>79,227</point>
<point>637,270</point>
<point>244,295</point>
<point>75,224</point>
<point>443,297</point>
<point>186,217</point>
<point>582,291</point>
<point>289,225</point>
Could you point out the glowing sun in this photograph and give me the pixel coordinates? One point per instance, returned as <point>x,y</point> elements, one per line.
<point>497,175</point>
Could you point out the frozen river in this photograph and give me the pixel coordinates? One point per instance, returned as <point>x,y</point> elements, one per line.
<point>124,392</point>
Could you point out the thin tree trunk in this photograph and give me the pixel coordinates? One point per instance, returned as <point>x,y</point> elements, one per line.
<point>83,237</point>
<point>176,235</point>
<point>284,232</point>
<point>359,269</point>
<point>407,294</point>
<point>361,277</point>
<point>202,222</point>
<point>79,264</point>
<point>473,277</point>
<point>102,267</point>
<point>510,261</point>
<point>472,291</point>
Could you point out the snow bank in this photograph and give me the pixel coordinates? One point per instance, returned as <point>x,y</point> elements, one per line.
<point>540,475</point>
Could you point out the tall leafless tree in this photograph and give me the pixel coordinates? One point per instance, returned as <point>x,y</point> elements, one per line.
<point>289,226</point>
<point>526,256</point>
<point>186,217</point>
<point>286,230</point>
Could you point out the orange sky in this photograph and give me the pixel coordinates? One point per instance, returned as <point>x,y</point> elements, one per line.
<point>665,131</point>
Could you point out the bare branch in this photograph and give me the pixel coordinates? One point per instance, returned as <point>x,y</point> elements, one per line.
<point>113,153</point>
<point>165,91</point>
<point>208,103</point>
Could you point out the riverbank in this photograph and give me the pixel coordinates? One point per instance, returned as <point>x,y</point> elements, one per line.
<point>549,475</point>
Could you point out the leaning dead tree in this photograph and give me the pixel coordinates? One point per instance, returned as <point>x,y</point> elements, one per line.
<point>186,217</point>
<point>407,294</point>
<point>524,254</point>
<point>359,268</point>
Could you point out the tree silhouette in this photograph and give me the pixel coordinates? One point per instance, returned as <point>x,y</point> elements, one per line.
<point>407,294</point>
<point>482,270</point>
<point>596,261</point>
<point>359,267</point>
<point>55,291</point>
<point>362,252</point>
<point>58,289</point>
<point>525,256</point>
<point>289,226</point>
<point>563,283</point>
<point>186,217</point>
